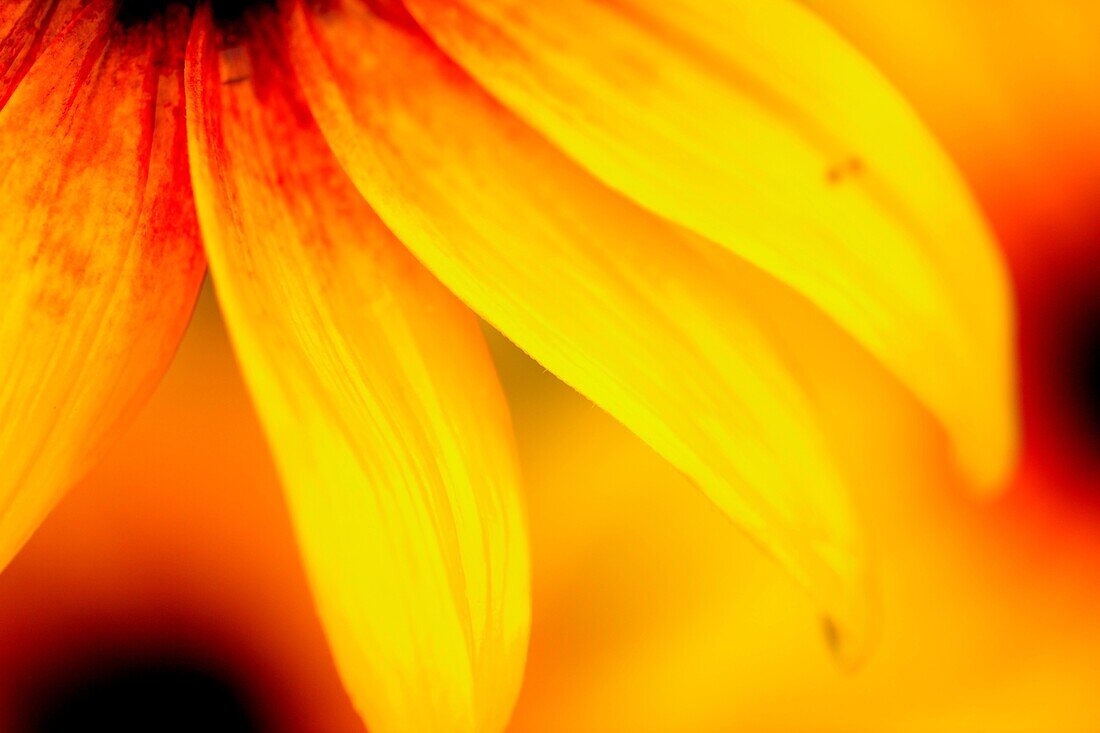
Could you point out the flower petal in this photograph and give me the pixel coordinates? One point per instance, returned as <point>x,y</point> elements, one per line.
<point>754,124</point>
<point>26,29</point>
<point>624,307</point>
<point>380,401</point>
<point>101,263</point>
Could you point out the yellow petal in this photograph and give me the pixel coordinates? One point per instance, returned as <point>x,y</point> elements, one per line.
<point>380,400</point>
<point>754,124</point>
<point>619,304</point>
<point>101,263</point>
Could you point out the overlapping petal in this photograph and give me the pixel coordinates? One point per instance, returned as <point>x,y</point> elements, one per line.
<point>752,123</point>
<point>101,263</point>
<point>26,29</point>
<point>379,399</point>
<point>629,309</point>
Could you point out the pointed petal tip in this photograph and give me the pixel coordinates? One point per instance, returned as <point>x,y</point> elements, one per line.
<point>984,425</point>
<point>849,647</point>
<point>848,612</point>
<point>850,622</point>
<point>989,462</point>
<point>988,436</point>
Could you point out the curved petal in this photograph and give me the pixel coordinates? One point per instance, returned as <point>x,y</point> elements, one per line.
<point>101,263</point>
<point>620,305</point>
<point>379,398</point>
<point>752,123</point>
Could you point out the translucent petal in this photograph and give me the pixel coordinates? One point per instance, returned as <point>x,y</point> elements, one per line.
<point>101,261</point>
<point>752,123</point>
<point>379,399</point>
<point>628,309</point>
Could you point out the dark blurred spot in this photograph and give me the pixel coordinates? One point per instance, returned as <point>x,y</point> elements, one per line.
<point>1058,296</point>
<point>162,695</point>
<point>1083,369</point>
<point>226,12</point>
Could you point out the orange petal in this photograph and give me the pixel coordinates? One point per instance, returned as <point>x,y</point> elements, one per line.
<point>628,309</point>
<point>379,399</point>
<point>26,28</point>
<point>101,263</point>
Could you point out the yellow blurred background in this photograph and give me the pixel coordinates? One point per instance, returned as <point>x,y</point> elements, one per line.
<point>650,614</point>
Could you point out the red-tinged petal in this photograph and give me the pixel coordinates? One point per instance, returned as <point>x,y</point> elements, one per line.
<point>26,29</point>
<point>380,402</point>
<point>101,262</point>
<point>638,314</point>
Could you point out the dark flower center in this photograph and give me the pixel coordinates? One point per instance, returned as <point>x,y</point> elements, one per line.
<point>165,695</point>
<point>225,12</point>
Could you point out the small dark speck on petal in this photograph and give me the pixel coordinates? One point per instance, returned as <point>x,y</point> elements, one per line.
<point>850,167</point>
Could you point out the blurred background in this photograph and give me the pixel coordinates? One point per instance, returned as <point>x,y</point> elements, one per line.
<point>170,574</point>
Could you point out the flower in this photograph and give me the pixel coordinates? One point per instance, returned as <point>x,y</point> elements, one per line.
<point>643,196</point>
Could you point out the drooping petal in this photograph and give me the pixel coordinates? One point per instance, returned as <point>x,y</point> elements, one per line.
<point>26,29</point>
<point>752,123</point>
<point>101,263</point>
<point>619,304</point>
<point>379,399</point>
